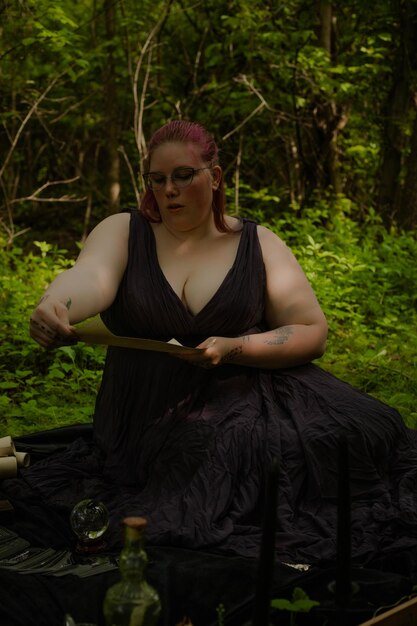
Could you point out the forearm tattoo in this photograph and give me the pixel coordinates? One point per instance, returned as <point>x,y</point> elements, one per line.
<point>280,336</point>
<point>232,354</point>
<point>68,303</point>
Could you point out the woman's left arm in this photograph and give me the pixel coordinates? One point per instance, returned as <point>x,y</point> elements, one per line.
<point>298,326</point>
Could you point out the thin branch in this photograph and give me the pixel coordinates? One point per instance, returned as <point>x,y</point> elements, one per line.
<point>70,108</point>
<point>237,175</point>
<point>60,199</point>
<point>8,208</point>
<point>154,31</point>
<point>254,112</point>
<point>198,56</point>
<point>142,107</point>
<point>67,181</point>
<point>26,120</point>
<point>263,104</point>
<point>44,126</point>
<point>244,80</point>
<point>11,235</point>
<point>132,175</point>
<point>34,197</point>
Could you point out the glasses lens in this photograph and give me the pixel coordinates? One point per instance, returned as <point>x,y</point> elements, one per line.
<point>154,180</point>
<point>183,176</point>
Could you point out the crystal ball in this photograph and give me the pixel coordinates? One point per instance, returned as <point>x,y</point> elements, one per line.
<point>89,520</point>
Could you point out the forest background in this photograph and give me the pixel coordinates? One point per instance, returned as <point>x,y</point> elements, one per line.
<point>314,107</point>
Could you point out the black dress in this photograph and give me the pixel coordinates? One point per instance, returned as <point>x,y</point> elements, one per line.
<point>188,447</point>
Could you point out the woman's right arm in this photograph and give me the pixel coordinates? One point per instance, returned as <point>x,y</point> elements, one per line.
<point>87,288</point>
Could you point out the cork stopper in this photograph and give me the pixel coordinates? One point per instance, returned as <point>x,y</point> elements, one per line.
<point>137,523</point>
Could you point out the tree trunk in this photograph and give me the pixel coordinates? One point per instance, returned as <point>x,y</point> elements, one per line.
<point>112,125</point>
<point>394,141</point>
<point>320,150</point>
<point>397,109</point>
<point>407,214</point>
<point>325,31</point>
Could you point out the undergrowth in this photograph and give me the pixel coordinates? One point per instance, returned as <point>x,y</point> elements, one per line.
<point>39,389</point>
<point>364,277</point>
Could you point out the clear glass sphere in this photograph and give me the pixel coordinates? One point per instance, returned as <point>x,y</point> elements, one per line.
<point>89,520</point>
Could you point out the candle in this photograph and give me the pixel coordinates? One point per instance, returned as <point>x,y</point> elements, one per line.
<point>266,560</point>
<point>343,557</point>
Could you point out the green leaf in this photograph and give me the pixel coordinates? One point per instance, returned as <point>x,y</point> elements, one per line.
<point>8,385</point>
<point>56,373</point>
<point>300,603</point>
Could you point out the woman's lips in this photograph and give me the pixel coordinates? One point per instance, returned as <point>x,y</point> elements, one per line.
<point>174,207</point>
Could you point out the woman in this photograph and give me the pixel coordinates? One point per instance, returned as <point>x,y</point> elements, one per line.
<point>185,440</point>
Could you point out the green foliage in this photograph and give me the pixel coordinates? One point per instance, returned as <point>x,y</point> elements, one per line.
<point>39,389</point>
<point>254,72</point>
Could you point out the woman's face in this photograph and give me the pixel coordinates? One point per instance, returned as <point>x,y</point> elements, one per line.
<point>184,208</point>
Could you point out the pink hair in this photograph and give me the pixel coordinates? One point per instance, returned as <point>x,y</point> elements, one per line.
<point>184,132</point>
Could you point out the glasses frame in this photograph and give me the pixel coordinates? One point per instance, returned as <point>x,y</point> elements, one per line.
<point>171,177</point>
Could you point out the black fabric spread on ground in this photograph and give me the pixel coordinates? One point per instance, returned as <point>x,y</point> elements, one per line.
<point>190,582</point>
<point>189,447</point>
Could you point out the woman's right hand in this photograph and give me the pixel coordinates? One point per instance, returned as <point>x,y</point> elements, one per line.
<point>94,280</point>
<point>49,324</point>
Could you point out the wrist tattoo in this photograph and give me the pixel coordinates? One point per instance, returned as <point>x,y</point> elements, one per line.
<point>245,338</point>
<point>232,354</point>
<point>280,336</point>
<point>68,303</point>
<point>43,298</point>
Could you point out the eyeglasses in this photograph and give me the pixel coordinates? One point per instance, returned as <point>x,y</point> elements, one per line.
<point>180,177</point>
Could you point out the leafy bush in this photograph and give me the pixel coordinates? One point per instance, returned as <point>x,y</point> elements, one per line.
<point>39,389</point>
<point>365,279</point>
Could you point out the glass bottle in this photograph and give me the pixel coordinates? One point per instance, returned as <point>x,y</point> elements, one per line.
<point>132,601</point>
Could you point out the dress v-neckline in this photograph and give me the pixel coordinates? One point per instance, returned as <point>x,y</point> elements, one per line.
<point>215,294</point>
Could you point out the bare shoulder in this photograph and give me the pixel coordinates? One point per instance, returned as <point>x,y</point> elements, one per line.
<point>108,241</point>
<point>122,218</point>
<point>266,236</point>
<point>120,221</point>
<point>290,298</point>
<point>112,227</point>
<point>273,247</point>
